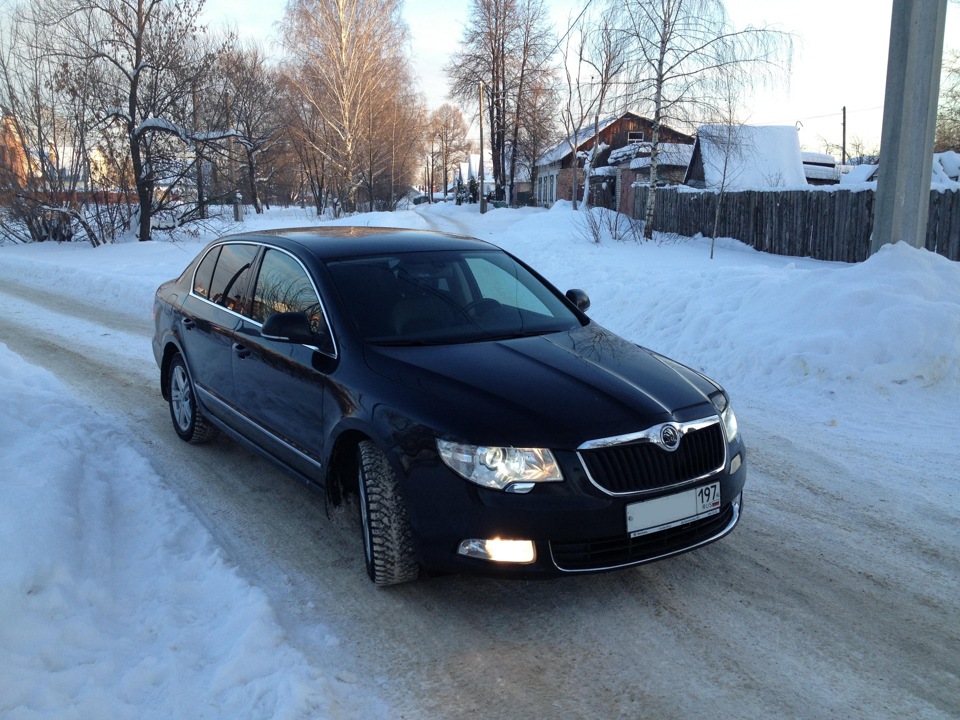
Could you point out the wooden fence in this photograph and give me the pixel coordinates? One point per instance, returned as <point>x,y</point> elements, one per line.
<point>833,225</point>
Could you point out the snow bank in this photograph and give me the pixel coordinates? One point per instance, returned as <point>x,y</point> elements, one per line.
<point>116,602</point>
<point>760,322</point>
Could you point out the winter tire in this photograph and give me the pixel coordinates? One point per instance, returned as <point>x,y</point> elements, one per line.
<point>188,421</point>
<point>387,537</point>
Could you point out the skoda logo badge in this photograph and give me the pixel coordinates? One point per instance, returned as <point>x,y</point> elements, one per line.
<point>669,437</point>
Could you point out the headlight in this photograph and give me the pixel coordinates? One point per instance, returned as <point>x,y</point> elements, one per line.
<point>500,468</point>
<point>729,418</point>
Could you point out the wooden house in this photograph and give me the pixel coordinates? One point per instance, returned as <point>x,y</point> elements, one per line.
<point>559,172</point>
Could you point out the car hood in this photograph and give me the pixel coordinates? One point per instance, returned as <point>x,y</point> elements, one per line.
<point>557,390</point>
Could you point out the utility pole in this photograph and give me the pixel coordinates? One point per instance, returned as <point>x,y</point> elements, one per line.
<point>843,151</point>
<point>430,181</point>
<point>483,198</point>
<point>909,120</point>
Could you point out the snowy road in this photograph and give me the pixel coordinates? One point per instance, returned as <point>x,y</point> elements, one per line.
<point>827,601</point>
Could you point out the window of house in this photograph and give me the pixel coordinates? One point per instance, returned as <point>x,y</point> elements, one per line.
<point>635,136</point>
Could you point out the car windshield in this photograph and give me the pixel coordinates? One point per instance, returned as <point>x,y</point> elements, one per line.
<point>446,297</point>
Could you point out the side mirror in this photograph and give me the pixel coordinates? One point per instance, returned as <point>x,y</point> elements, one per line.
<point>291,327</point>
<point>580,299</point>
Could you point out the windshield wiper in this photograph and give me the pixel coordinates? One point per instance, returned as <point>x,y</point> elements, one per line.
<point>514,335</point>
<point>410,343</point>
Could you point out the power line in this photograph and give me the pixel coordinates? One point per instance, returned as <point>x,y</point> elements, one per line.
<point>820,117</point>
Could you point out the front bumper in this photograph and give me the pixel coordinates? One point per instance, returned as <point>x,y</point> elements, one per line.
<point>574,526</point>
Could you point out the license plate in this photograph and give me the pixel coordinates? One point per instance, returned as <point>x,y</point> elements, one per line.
<point>652,516</point>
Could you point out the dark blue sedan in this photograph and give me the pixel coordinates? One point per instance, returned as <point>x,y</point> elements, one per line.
<point>485,423</point>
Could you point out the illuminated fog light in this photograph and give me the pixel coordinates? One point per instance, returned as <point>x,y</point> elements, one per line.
<point>735,463</point>
<point>497,550</point>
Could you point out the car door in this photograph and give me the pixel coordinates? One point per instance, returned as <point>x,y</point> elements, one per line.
<point>209,320</point>
<point>280,386</point>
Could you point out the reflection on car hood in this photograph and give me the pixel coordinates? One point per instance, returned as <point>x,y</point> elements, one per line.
<point>555,390</point>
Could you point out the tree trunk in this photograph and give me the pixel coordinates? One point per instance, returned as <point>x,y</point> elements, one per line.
<point>252,182</point>
<point>655,139</point>
<point>652,195</point>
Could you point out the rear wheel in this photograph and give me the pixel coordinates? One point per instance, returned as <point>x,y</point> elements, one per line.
<point>188,421</point>
<point>387,536</point>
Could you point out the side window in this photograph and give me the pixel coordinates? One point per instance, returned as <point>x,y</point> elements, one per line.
<point>204,274</point>
<point>283,286</point>
<point>230,275</point>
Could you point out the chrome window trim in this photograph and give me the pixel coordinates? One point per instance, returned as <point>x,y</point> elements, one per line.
<point>239,415</point>
<point>652,435</point>
<point>323,308</point>
<point>723,532</point>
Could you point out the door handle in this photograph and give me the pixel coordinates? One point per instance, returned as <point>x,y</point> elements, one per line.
<point>241,350</point>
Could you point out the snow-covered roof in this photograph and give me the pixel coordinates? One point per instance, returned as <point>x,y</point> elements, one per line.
<point>816,158</point>
<point>858,174</point>
<point>944,172</point>
<point>673,154</point>
<point>603,171</point>
<point>949,163</point>
<point>471,168</point>
<point>751,157</point>
<point>638,154</point>
<point>628,152</point>
<point>821,172</point>
<point>561,150</point>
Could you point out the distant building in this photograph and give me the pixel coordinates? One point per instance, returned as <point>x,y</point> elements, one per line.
<point>944,172</point>
<point>633,164</point>
<point>560,170</point>
<point>820,168</point>
<point>14,165</point>
<point>471,169</point>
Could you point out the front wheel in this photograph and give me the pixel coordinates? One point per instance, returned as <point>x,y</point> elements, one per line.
<point>387,536</point>
<point>188,421</point>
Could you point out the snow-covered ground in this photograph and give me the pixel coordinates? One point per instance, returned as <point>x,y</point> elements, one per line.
<point>117,599</point>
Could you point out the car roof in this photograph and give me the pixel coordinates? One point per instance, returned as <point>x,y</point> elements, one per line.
<point>346,241</point>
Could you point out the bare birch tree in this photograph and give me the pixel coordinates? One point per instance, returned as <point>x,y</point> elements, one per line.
<point>254,107</point>
<point>450,129</point>
<point>505,49</point>
<point>539,125</point>
<point>534,46</point>
<point>150,55</point>
<point>593,60</point>
<point>678,49</point>
<point>306,134</point>
<point>48,134</point>
<point>395,122</point>
<point>345,55</point>
<point>725,139</point>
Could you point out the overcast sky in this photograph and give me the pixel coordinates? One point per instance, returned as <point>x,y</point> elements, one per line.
<point>839,60</point>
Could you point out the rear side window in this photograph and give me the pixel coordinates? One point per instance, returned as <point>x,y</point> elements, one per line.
<point>230,275</point>
<point>204,274</point>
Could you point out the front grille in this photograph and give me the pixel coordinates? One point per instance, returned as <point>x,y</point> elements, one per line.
<point>612,552</point>
<point>644,466</point>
